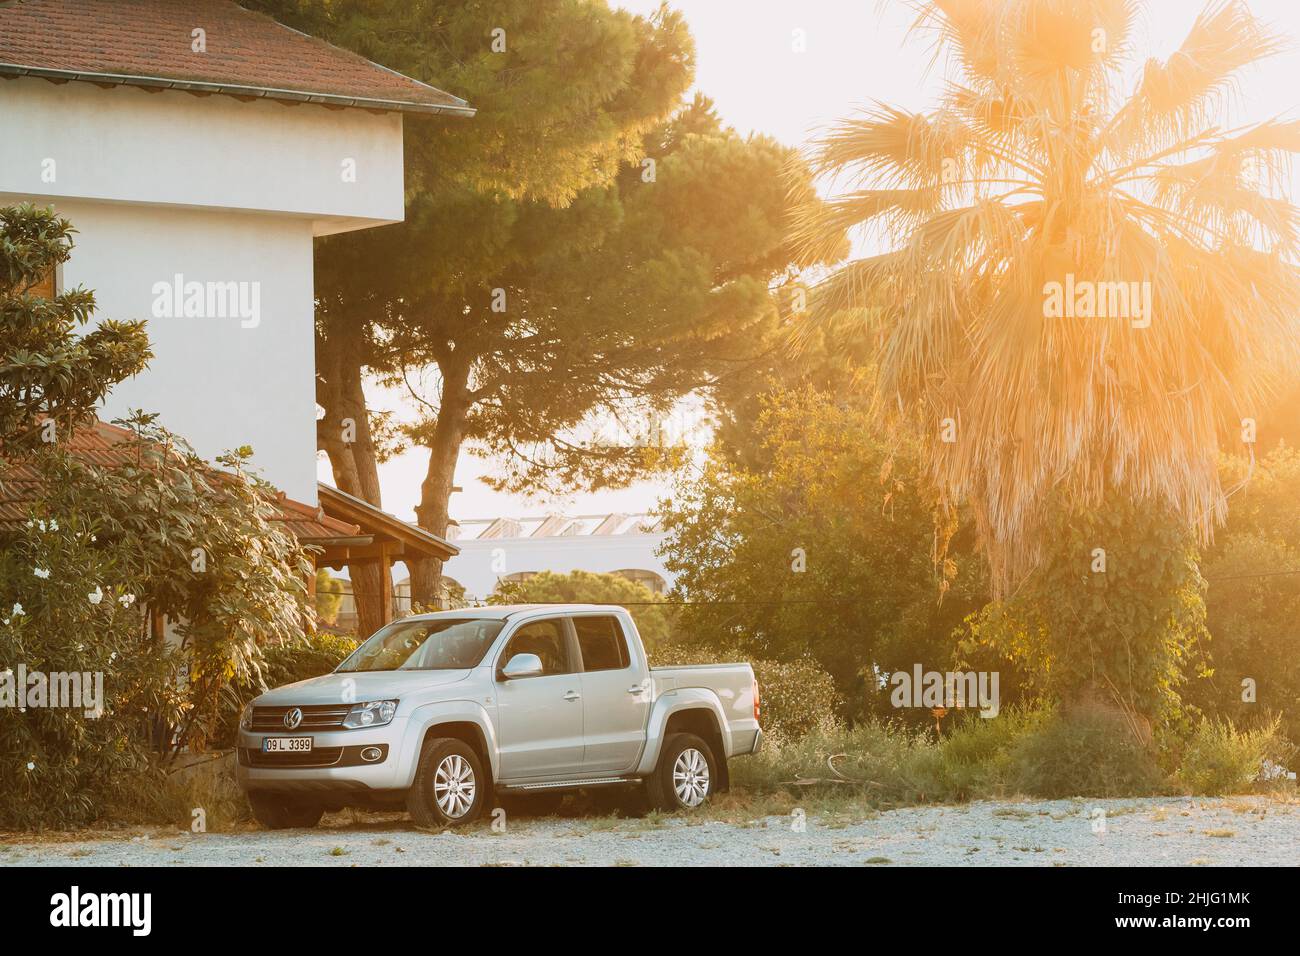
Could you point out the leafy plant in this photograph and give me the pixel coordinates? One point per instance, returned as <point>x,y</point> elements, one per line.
<point>1040,169</point>
<point>329,596</point>
<point>53,371</point>
<point>1085,755</point>
<point>206,554</point>
<point>1112,615</point>
<point>796,696</point>
<point>72,606</point>
<point>819,545</point>
<point>1253,600</point>
<point>1219,758</point>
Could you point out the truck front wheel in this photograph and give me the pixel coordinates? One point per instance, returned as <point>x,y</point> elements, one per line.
<point>450,786</point>
<point>685,776</point>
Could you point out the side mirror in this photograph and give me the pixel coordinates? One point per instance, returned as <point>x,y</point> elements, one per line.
<point>522,665</point>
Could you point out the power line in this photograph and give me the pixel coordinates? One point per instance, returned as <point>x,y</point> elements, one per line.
<point>1260,574</point>
<point>770,603</point>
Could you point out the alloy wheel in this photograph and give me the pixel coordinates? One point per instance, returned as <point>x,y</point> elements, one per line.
<point>454,786</point>
<point>691,777</point>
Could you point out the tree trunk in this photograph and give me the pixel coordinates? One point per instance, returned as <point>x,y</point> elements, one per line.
<point>339,391</point>
<point>356,471</point>
<point>435,491</point>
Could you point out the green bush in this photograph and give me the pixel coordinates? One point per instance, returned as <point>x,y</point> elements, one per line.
<point>797,696</point>
<point>884,762</point>
<point>978,754</point>
<point>1221,759</point>
<point>310,656</point>
<point>329,596</point>
<point>68,607</point>
<point>1084,755</point>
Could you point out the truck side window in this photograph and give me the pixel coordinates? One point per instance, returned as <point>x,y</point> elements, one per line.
<point>546,640</point>
<point>602,644</point>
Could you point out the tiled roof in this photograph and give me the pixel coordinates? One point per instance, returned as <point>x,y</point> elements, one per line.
<point>102,445</point>
<point>149,43</point>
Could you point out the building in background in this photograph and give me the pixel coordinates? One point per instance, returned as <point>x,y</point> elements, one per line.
<point>514,549</point>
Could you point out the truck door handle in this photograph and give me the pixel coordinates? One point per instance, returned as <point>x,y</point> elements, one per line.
<point>573,695</point>
<point>638,689</point>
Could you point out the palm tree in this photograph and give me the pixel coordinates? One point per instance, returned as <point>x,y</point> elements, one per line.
<point>1012,212</point>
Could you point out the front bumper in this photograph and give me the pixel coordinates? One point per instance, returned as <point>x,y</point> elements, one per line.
<point>346,770</point>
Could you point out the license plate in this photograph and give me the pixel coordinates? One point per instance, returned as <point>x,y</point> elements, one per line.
<point>286,745</point>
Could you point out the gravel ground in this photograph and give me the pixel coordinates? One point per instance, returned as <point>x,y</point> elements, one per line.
<point>1161,831</point>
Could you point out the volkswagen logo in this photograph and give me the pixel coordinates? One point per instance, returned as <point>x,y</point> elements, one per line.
<point>293,718</point>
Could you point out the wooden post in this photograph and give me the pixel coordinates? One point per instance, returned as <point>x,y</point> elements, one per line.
<point>386,581</point>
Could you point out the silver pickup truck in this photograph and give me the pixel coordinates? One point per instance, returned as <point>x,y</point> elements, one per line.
<point>457,711</point>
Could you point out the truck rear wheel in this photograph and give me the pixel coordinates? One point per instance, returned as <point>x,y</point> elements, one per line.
<point>283,811</point>
<point>685,776</point>
<point>450,787</point>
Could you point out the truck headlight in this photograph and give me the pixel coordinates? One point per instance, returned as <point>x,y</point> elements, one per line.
<point>373,713</point>
<point>246,717</point>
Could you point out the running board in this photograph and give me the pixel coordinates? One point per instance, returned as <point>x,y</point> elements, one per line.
<point>569,784</point>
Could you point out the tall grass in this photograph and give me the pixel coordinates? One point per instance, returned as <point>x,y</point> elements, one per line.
<point>1221,759</point>
<point>1031,752</point>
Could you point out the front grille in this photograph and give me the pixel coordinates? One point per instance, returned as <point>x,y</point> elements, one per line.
<point>320,757</point>
<point>314,717</point>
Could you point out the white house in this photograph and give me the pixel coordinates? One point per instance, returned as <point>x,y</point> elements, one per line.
<point>199,148</point>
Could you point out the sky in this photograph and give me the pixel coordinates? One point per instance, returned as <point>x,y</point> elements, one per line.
<point>788,68</point>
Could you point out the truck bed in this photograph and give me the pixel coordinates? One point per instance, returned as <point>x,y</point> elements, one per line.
<point>734,686</point>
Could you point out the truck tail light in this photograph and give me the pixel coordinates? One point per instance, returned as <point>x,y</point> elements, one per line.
<point>757,708</point>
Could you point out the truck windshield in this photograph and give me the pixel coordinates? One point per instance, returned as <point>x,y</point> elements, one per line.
<point>439,645</point>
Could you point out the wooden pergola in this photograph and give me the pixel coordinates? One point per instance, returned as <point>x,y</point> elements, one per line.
<point>379,540</point>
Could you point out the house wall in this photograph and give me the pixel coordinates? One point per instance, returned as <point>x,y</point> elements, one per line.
<point>213,381</point>
<point>123,144</point>
<point>217,191</point>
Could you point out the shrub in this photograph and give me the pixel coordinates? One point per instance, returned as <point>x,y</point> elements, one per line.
<point>57,359</point>
<point>978,754</point>
<point>309,656</point>
<point>787,551</point>
<point>329,596</point>
<point>1086,755</point>
<point>892,764</point>
<point>171,798</point>
<point>1079,635</point>
<point>1221,759</point>
<point>878,760</point>
<point>797,696</point>
<point>68,608</point>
